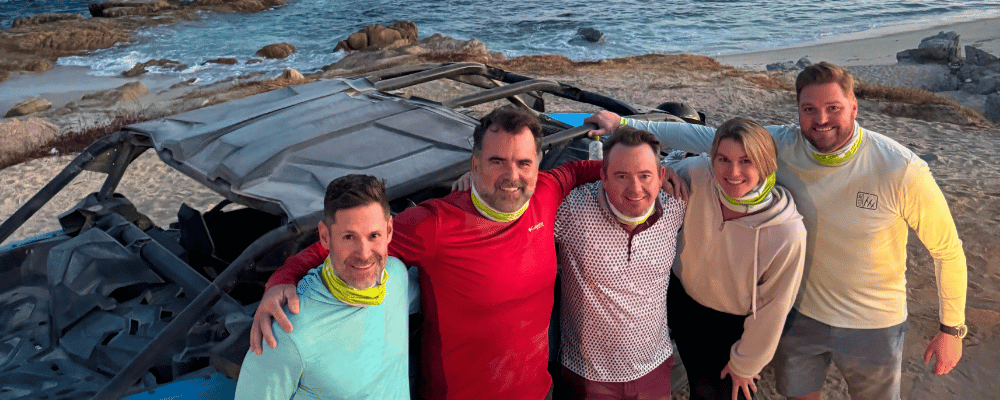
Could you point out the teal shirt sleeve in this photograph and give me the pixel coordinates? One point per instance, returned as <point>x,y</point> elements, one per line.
<point>273,375</point>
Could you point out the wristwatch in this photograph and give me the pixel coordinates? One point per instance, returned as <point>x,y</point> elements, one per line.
<point>956,331</point>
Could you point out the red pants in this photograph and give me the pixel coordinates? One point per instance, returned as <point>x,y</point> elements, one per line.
<point>653,386</point>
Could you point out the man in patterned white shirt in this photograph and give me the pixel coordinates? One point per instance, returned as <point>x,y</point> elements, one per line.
<point>617,240</point>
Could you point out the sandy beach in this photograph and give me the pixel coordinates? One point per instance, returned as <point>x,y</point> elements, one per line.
<point>962,158</point>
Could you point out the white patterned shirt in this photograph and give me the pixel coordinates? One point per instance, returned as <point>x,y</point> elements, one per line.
<point>614,287</point>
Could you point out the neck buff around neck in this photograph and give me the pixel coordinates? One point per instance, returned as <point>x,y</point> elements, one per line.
<point>493,214</point>
<point>626,219</point>
<point>351,296</point>
<point>757,199</point>
<point>840,156</point>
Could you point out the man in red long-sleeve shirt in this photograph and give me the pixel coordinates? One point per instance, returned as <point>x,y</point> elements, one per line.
<point>487,267</point>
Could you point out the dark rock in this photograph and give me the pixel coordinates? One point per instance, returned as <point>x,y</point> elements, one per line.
<point>277,50</point>
<point>929,157</point>
<point>803,63</point>
<point>781,66</point>
<point>254,61</point>
<point>978,57</point>
<point>591,35</point>
<point>940,48</point>
<point>992,112</point>
<point>188,82</point>
<point>983,85</point>
<point>29,106</point>
<point>44,19</point>
<point>140,68</point>
<point>224,61</point>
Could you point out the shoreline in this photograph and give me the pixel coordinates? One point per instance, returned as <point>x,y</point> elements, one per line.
<point>64,84</point>
<point>864,48</point>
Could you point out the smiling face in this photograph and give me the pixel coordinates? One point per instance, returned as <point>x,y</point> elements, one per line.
<point>358,241</point>
<point>506,169</point>
<point>631,177</point>
<point>827,116</point>
<point>733,169</point>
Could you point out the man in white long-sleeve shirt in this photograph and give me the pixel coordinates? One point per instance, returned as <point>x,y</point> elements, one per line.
<point>857,191</point>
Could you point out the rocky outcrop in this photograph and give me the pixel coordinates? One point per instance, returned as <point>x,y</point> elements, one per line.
<point>434,48</point>
<point>116,9</point>
<point>140,68</point>
<point>940,48</point>
<point>374,37</point>
<point>291,74</point>
<point>223,61</point>
<point>981,58</point>
<point>790,66</point>
<point>110,97</point>
<point>246,6</point>
<point>44,19</point>
<point>29,106</point>
<point>277,50</point>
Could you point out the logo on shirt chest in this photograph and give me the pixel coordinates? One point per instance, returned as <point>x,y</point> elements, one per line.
<point>536,227</point>
<point>866,200</point>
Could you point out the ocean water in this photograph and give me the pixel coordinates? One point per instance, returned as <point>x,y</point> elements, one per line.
<point>631,27</point>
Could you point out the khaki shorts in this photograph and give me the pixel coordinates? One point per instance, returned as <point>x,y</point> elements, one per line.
<point>869,359</point>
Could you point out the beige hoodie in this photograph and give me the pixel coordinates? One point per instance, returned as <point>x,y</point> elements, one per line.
<point>747,266</point>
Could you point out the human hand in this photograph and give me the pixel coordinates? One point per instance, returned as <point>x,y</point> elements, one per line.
<point>606,122</point>
<point>674,185</point>
<point>270,307</point>
<point>463,184</point>
<point>948,350</point>
<point>746,385</point>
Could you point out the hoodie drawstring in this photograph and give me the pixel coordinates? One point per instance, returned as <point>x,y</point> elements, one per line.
<point>756,254</point>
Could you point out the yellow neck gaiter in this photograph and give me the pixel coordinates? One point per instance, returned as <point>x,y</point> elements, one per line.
<point>840,156</point>
<point>493,214</point>
<point>351,296</point>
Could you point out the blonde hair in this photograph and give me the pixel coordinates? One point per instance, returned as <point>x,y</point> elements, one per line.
<point>756,141</point>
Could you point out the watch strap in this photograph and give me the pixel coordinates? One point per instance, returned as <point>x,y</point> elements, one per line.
<point>958,331</point>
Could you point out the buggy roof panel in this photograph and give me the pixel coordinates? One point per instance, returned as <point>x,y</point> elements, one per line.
<point>277,151</point>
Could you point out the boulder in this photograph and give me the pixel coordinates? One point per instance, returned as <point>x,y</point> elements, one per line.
<point>44,19</point>
<point>591,35</point>
<point>407,30</point>
<point>373,37</point>
<point>981,58</point>
<point>128,91</point>
<point>291,74</point>
<point>18,137</point>
<point>223,61</point>
<point>803,63</point>
<point>66,36</point>
<point>992,112</point>
<point>29,106</point>
<point>140,68</point>
<point>277,50</point>
<point>940,48</point>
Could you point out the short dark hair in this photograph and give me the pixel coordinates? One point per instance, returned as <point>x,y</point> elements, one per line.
<point>629,136</point>
<point>354,190</point>
<point>511,119</point>
<point>825,72</point>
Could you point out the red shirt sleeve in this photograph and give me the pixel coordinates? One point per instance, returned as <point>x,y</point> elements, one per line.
<point>575,173</point>
<point>298,266</point>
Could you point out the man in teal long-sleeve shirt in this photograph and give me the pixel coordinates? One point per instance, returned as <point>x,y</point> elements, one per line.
<point>350,340</point>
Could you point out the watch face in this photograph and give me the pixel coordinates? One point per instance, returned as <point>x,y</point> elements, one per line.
<point>962,330</point>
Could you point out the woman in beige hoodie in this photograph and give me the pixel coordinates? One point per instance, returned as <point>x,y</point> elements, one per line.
<point>738,265</point>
